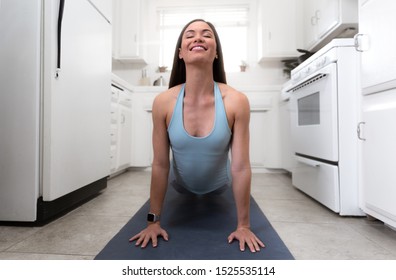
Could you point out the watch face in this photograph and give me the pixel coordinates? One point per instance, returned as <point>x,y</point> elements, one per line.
<point>152,217</point>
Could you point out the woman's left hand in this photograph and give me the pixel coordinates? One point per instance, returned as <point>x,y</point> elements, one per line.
<point>246,236</point>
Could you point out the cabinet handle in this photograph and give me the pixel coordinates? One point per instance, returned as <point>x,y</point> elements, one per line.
<point>317,14</point>
<point>359,131</point>
<point>314,20</point>
<point>122,118</point>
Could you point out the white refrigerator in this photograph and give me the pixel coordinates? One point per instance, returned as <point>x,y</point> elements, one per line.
<point>377,42</point>
<point>55,77</point>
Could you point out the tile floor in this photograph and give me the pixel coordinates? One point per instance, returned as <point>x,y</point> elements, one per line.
<point>309,230</point>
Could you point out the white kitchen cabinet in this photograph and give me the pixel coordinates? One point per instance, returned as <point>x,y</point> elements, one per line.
<point>127,31</point>
<point>113,128</point>
<point>279,29</point>
<point>142,150</point>
<point>264,130</point>
<point>287,156</point>
<point>378,116</point>
<point>121,129</point>
<point>324,20</point>
<point>124,130</point>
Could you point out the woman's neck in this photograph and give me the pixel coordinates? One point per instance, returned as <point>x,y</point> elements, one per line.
<point>199,81</point>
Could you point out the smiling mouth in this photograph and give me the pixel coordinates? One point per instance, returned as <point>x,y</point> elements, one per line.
<point>199,47</point>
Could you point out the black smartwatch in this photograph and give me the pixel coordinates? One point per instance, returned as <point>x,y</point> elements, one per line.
<point>151,217</point>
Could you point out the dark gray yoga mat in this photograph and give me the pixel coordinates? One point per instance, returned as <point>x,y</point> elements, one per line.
<point>198,227</point>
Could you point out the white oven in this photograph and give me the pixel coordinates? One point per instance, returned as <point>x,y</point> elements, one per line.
<point>323,115</point>
<point>314,103</point>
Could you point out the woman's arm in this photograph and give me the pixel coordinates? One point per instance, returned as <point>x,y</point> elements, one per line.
<point>241,173</point>
<point>159,174</point>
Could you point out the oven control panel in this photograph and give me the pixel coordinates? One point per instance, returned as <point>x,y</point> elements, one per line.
<point>314,66</point>
<point>322,58</point>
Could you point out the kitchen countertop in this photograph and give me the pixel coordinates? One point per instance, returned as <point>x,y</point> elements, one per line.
<point>121,82</point>
<point>116,79</point>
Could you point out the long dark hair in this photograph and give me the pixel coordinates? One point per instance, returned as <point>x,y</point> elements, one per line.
<point>178,74</point>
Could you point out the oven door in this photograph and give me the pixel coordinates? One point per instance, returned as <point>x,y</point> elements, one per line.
<point>314,117</point>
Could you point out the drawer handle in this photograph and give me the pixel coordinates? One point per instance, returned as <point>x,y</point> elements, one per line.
<point>309,162</point>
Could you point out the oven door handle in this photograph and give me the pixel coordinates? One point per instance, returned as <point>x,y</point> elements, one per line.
<point>312,77</point>
<point>307,161</point>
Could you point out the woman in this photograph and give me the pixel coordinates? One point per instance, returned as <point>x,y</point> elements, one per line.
<point>201,118</point>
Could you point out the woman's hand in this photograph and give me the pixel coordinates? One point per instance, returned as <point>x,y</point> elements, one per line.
<point>246,236</point>
<point>150,233</point>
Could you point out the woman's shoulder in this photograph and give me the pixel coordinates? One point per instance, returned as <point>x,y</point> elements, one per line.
<point>167,95</point>
<point>231,94</point>
<point>165,100</point>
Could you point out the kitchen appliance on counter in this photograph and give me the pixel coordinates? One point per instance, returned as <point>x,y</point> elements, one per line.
<point>55,77</point>
<point>324,92</point>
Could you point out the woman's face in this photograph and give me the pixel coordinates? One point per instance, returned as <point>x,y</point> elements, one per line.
<point>198,43</point>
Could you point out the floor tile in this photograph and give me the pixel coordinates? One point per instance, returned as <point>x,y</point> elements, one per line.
<point>324,241</point>
<point>72,234</point>
<point>10,235</point>
<point>29,256</point>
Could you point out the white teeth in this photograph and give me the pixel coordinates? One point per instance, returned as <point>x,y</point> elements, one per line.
<point>198,47</point>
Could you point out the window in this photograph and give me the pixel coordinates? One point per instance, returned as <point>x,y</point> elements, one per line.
<point>231,22</point>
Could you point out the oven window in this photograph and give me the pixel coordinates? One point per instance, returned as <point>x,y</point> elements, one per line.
<point>309,110</point>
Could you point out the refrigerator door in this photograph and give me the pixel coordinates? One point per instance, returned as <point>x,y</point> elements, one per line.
<point>378,60</point>
<point>77,102</point>
<point>105,7</point>
<point>19,109</point>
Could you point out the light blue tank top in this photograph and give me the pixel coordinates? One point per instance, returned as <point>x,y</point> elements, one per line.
<point>200,164</point>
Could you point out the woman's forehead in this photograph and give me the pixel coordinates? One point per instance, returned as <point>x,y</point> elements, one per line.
<point>198,26</point>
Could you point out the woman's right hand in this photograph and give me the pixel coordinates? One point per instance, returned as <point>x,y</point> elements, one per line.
<point>151,232</point>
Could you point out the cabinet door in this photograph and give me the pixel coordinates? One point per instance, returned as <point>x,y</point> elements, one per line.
<point>287,157</point>
<point>309,22</point>
<point>258,138</point>
<point>378,162</point>
<point>280,28</point>
<point>264,130</point>
<point>141,154</point>
<point>376,22</point>
<point>328,19</point>
<point>327,14</point>
<point>320,17</point>
<point>125,135</point>
<point>126,29</point>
